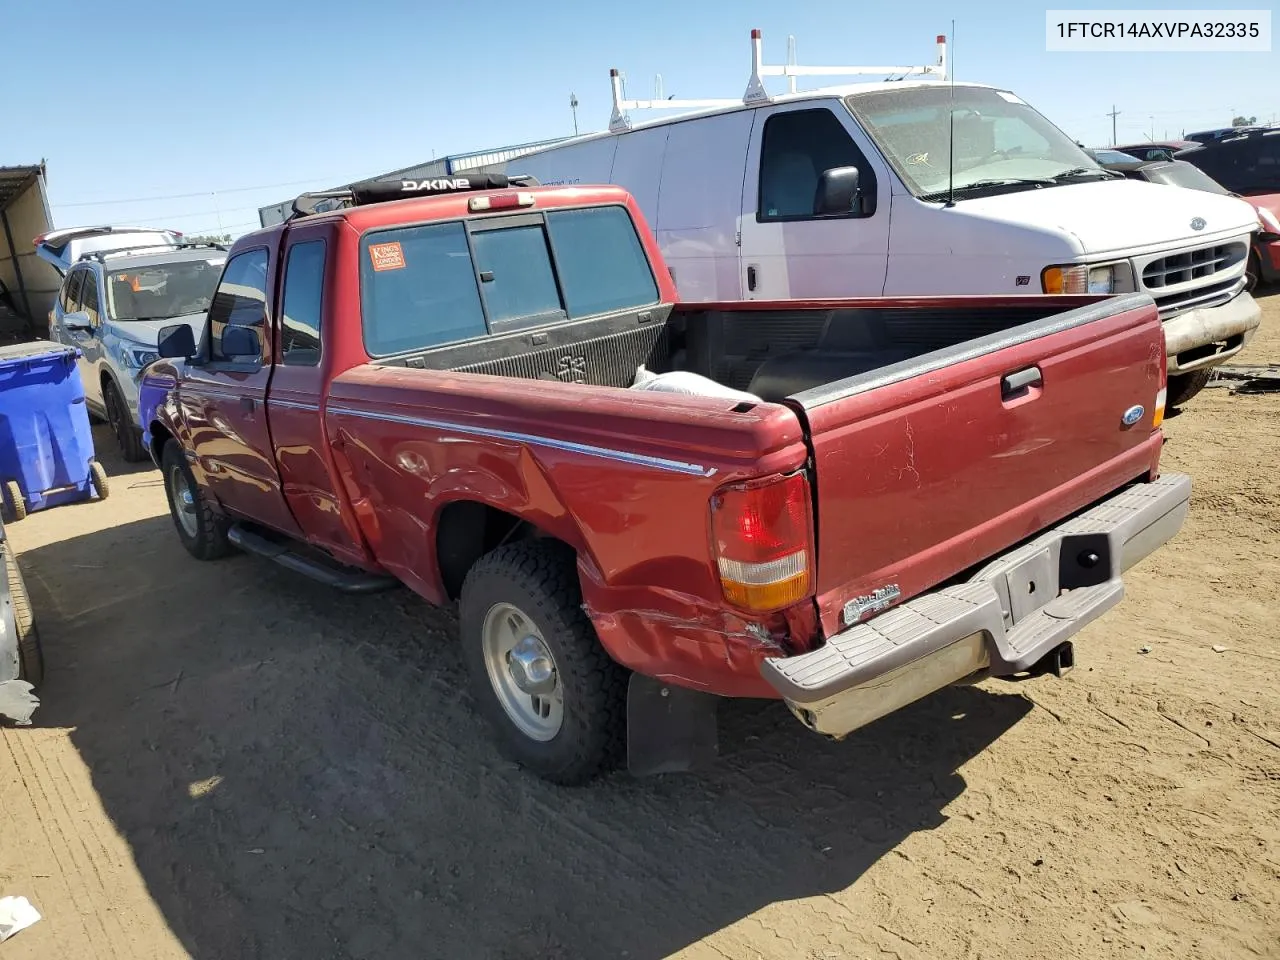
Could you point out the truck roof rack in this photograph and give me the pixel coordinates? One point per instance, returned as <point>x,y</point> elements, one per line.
<point>382,191</point>
<point>756,92</point>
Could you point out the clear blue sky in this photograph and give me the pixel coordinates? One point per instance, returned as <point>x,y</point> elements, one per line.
<point>162,98</point>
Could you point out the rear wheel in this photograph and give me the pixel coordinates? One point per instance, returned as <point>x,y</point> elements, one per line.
<point>30,653</point>
<point>1184,386</point>
<point>128,436</point>
<point>202,531</point>
<point>539,674</point>
<point>15,506</point>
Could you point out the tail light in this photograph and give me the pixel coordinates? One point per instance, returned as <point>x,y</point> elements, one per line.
<point>763,536</point>
<point>1157,417</point>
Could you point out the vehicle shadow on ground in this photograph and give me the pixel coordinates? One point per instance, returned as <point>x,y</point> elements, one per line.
<point>301,774</point>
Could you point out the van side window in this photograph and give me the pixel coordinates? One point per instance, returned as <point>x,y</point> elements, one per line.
<point>240,300</point>
<point>797,147</point>
<point>303,292</point>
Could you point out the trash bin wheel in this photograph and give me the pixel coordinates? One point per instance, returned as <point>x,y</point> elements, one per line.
<point>98,477</point>
<point>30,653</point>
<point>15,507</point>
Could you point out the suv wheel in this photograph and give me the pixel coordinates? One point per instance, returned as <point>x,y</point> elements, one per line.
<point>127,435</point>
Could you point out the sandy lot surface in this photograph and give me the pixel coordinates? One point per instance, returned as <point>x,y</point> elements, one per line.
<point>232,762</point>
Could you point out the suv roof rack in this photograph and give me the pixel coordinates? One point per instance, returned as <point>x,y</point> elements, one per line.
<point>147,251</point>
<point>382,191</point>
<point>756,92</point>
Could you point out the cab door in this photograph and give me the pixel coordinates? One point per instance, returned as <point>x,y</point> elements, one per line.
<point>308,475</point>
<point>223,396</point>
<point>788,252</point>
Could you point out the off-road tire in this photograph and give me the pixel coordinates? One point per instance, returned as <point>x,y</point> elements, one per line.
<point>128,437</point>
<point>15,507</point>
<point>210,539</point>
<point>540,577</point>
<point>30,653</point>
<point>1183,386</point>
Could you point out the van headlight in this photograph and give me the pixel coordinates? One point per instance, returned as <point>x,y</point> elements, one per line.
<point>1079,278</point>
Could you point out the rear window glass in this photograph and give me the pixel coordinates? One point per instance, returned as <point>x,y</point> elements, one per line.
<point>515,274</point>
<point>602,265</point>
<point>420,287</point>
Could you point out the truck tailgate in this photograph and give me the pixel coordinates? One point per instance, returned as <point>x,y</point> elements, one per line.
<point>927,467</point>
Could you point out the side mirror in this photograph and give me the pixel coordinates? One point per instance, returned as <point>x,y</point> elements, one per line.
<point>241,342</point>
<point>176,342</point>
<point>839,192</point>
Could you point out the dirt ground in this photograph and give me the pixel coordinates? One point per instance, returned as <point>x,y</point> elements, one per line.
<point>231,762</point>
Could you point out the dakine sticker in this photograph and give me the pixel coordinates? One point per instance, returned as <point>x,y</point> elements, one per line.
<point>386,256</point>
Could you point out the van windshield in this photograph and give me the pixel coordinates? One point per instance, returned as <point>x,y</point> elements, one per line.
<point>1000,143</point>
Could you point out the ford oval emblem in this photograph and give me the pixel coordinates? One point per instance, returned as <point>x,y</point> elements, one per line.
<point>1133,415</point>
<point>1197,223</point>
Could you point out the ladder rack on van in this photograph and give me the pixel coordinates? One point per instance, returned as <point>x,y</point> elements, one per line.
<point>756,92</point>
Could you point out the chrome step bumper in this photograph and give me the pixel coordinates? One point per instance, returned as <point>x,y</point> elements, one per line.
<point>1013,614</point>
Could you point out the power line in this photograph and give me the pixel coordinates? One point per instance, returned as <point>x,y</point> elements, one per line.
<point>202,193</point>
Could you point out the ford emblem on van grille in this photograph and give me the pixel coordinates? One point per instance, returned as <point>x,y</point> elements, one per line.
<point>1197,223</point>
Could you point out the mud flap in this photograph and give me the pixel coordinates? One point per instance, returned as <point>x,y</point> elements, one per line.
<point>670,729</point>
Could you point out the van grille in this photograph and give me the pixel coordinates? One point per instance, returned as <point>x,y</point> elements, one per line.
<point>1211,295</point>
<point>1191,265</point>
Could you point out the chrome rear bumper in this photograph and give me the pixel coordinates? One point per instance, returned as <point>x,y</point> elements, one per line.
<point>1014,613</point>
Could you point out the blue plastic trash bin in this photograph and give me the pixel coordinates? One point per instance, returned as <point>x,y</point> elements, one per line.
<point>46,446</point>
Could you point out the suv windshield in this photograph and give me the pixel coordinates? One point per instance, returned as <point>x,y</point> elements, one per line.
<point>1001,143</point>
<point>159,291</point>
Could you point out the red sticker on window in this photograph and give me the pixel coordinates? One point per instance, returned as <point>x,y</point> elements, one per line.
<point>386,256</point>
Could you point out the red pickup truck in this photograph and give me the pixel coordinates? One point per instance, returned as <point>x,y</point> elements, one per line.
<point>435,383</point>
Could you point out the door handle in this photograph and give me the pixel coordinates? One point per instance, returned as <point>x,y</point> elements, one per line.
<point>751,277</point>
<point>248,404</point>
<point>1019,382</point>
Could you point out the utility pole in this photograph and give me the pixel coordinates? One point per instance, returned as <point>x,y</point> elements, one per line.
<point>573,105</point>
<point>1113,114</point>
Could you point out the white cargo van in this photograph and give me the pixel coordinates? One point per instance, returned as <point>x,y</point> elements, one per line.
<point>914,187</point>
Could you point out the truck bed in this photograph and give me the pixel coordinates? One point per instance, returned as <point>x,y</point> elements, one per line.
<point>922,463</point>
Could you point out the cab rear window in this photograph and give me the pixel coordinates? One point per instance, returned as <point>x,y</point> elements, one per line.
<point>444,283</point>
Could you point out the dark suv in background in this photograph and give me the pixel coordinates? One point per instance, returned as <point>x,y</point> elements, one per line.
<point>1249,165</point>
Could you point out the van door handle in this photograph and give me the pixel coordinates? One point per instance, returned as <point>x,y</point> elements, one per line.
<point>248,404</point>
<point>1019,381</point>
<point>751,277</point>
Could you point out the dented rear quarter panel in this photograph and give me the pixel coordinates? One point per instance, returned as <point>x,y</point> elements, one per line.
<point>624,477</point>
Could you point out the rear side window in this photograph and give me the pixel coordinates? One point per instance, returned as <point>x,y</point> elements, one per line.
<point>71,292</point>
<point>421,287</point>
<point>89,296</point>
<point>303,291</point>
<point>241,298</point>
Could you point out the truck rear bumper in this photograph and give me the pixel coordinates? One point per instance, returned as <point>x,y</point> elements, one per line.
<point>1013,614</point>
<point>1208,336</point>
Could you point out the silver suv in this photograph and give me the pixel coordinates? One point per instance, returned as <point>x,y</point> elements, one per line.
<point>112,306</point>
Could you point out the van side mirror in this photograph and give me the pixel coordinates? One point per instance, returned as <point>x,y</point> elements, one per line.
<point>839,192</point>
<point>176,342</point>
<point>240,342</point>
